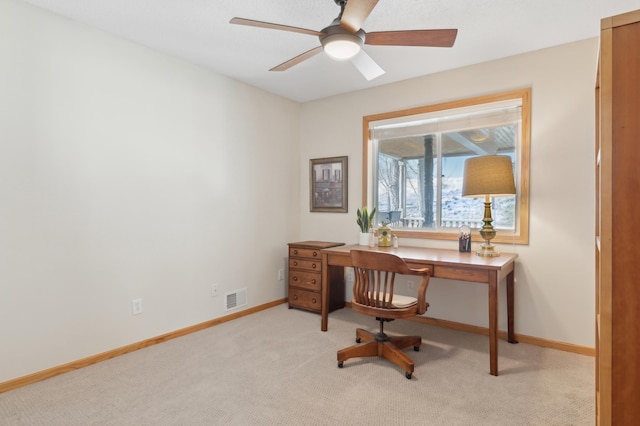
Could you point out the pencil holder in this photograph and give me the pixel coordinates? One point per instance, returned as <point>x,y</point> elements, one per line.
<point>464,239</point>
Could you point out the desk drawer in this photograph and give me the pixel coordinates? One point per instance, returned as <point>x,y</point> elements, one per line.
<point>461,274</point>
<point>304,299</point>
<point>308,280</point>
<point>305,252</point>
<point>308,265</point>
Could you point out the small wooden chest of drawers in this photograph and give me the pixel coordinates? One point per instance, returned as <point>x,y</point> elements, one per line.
<point>305,277</point>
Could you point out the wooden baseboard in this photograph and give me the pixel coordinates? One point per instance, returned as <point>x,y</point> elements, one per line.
<point>94,359</point>
<point>522,338</point>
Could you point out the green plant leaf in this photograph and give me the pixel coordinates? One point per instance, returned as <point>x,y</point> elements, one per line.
<point>364,218</point>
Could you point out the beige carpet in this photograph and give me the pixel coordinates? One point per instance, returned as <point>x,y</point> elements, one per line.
<point>277,368</point>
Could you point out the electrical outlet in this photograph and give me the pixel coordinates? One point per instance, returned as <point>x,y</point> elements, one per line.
<point>214,290</point>
<point>350,276</point>
<point>280,274</point>
<point>136,306</point>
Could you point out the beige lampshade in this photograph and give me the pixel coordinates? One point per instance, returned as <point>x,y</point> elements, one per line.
<point>488,175</point>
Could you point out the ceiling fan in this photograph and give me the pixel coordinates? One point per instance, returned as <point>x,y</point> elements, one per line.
<point>344,38</point>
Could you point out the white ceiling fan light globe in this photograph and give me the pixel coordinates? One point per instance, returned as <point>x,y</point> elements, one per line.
<point>341,44</point>
<point>339,47</point>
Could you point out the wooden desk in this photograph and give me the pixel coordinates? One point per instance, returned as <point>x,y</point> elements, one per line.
<point>447,264</point>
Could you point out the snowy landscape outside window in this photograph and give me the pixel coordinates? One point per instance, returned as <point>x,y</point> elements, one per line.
<point>414,162</point>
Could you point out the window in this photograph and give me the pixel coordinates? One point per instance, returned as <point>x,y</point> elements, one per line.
<point>414,161</point>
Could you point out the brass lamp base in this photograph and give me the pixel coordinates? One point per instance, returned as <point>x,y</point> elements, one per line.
<point>487,250</point>
<point>487,233</point>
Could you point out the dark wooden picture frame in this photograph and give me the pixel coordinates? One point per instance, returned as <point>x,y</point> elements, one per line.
<point>328,184</point>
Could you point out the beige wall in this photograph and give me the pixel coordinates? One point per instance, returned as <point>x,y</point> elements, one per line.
<point>125,173</point>
<point>555,280</point>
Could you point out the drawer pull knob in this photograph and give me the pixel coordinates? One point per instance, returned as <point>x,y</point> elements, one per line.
<point>315,254</point>
<point>313,266</point>
<point>313,281</point>
<point>295,297</point>
<point>295,278</point>
<point>295,263</point>
<point>295,251</point>
<point>313,300</point>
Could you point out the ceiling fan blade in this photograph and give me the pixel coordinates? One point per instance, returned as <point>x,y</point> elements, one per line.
<point>367,66</point>
<point>269,25</point>
<point>294,61</point>
<point>426,38</point>
<point>355,13</point>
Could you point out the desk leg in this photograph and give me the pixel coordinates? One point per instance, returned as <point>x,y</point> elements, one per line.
<point>326,288</point>
<point>510,302</point>
<point>493,323</point>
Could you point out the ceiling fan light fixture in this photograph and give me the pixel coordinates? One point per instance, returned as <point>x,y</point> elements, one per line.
<point>344,38</point>
<point>478,136</point>
<point>341,46</point>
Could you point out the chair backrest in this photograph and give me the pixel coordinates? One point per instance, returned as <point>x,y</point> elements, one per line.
<point>375,274</point>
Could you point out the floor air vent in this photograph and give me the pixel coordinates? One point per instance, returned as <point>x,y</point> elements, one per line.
<point>236,298</point>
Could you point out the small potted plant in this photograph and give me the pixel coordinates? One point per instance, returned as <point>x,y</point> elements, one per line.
<point>365,222</point>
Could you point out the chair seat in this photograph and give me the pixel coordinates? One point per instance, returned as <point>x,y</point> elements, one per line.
<point>399,300</point>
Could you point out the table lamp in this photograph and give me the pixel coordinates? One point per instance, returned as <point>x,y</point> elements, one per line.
<point>488,176</point>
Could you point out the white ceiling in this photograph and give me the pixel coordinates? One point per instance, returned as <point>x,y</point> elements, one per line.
<point>199,31</point>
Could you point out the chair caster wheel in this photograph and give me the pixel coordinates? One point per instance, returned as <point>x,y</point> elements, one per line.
<point>340,364</point>
<point>408,375</point>
<point>416,348</point>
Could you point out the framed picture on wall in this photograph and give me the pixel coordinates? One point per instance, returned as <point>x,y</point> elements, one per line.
<point>328,184</point>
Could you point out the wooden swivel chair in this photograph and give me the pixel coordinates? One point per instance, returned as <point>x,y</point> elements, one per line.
<point>375,274</point>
